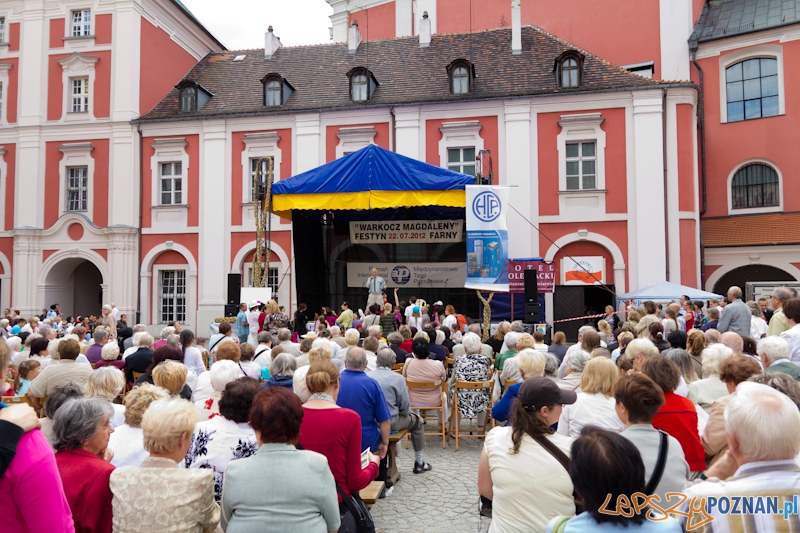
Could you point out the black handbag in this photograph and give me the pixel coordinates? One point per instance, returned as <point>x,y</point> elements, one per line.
<point>358,510</point>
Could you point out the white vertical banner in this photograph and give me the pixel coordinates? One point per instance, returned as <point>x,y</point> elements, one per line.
<point>487,238</point>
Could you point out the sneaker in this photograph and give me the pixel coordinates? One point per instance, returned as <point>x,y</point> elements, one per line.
<point>421,467</point>
<point>486,510</point>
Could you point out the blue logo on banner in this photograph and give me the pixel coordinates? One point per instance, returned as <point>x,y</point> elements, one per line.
<point>401,275</point>
<point>486,206</point>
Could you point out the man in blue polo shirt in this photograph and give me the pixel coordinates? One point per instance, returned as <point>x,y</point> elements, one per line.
<point>242,326</point>
<point>362,394</point>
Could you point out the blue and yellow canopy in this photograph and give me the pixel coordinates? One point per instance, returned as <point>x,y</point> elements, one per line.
<point>371,178</point>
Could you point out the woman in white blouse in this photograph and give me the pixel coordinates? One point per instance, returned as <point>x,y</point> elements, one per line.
<point>595,404</point>
<point>127,441</point>
<point>192,357</point>
<point>224,438</point>
<point>107,382</point>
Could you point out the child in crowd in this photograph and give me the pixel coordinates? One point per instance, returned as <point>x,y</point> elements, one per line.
<point>28,370</point>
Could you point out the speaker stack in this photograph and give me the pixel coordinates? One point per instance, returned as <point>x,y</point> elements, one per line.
<point>234,294</point>
<point>532,311</point>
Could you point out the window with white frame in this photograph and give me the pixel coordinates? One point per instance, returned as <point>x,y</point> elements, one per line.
<point>272,278</point>
<point>461,160</point>
<point>81,23</point>
<point>172,306</point>
<point>581,161</point>
<point>254,169</point>
<point>751,89</point>
<point>77,189</point>
<point>754,186</point>
<point>80,95</point>
<point>2,29</point>
<point>170,178</point>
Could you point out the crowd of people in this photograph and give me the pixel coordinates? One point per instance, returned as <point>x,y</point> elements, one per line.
<point>277,423</point>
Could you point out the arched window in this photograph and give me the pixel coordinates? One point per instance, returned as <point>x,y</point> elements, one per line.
<point>569,69</point>
<point>461,74</point>
<point>274,93</point>
<point>188,99</point>
<point>752,89</point>
<point>755,185</point>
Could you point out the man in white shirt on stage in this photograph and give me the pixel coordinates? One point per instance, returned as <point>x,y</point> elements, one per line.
<point>375,284</point>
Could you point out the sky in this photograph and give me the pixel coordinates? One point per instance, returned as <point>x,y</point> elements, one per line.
<point>241,24</point>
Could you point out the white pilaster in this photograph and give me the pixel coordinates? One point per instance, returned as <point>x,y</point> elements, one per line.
<point>212,264</point>
<point>123,265</point>
<point>29,180</point>
<point>123,177</point>
<point>407,128</point>
<point>673,211</point>
<point>308,148</point>
<point>126,64</point>
<point>33,71</point>
<point>27,258</point>
<point>403,18</point>
<point>339,20</point>
<point>676,25</point>
<point>647,257</point>
<point>518,175</point>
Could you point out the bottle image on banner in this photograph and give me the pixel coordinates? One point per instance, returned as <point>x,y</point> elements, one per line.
<point>487,238</point>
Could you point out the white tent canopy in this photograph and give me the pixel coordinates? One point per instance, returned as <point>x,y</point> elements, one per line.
<point>666,291</point>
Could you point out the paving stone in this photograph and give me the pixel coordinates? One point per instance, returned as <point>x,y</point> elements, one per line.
<point>444,500</point>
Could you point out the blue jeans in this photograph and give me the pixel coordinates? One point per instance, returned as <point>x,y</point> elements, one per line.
<point>243,338</point>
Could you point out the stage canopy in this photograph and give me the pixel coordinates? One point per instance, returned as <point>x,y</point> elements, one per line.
<point>667,291</point>
<point>371,178</point>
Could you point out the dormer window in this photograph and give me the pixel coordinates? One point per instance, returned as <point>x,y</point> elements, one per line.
<point>188,99</point>
<point>192,96</point>
<point>362,84</point>
<point>569,69</point>
<point>276,90</point>
<point>461,73</point>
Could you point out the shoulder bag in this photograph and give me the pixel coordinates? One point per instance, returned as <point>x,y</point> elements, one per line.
<point>562,458</point>
<point>661,462</point>
<point>356,507</point>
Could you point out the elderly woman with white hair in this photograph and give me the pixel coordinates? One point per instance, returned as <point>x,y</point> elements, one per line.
<point>107,383</point>
<point>166,332</point>
<point>109,356</point>
<point>109,321</point>
<point>530,364</point>
<point>705,392</point>
<point>81,431</point>
<point>511,343</point>
<point>281,371</point>
<point>473,366</point>
<point>351,338</point>
<point>157,495</point>
<point>577,362</point>
<point>222,373</point>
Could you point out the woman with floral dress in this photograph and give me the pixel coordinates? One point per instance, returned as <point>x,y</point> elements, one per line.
<point>473,366</point>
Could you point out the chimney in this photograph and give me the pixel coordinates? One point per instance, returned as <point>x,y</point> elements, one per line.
<point>271,43</point>
<point>353,37</point>
<point>516,27</point>
<point>425,31</point>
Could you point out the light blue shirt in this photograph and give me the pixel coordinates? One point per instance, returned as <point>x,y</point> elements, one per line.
<point>241,329</point>
<point>375,285</point>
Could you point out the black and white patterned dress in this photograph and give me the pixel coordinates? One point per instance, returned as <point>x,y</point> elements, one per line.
<point>473,367</point>
<point>215,443</point>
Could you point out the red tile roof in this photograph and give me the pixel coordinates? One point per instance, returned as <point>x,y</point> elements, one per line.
<point>752,230</point>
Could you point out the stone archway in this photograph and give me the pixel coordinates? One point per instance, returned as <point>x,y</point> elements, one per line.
<point>740,276</point>
<point>76,284</point>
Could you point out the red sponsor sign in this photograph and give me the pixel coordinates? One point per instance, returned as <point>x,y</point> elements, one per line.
<point>546,275</point>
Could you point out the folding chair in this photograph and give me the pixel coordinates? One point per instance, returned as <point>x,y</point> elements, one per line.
<point>455,416</point>
<point>398,367</point>
<point>442,408</point>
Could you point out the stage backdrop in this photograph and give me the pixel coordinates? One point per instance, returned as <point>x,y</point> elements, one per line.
<point>487,238</point>
<point>427,275</point>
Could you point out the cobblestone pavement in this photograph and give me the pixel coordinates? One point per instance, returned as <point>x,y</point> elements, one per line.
<point>444,500</point>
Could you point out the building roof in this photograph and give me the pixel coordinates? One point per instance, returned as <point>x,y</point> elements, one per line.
<point>751,230</point>
<point>407,74</point>
<point>725,18</point>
